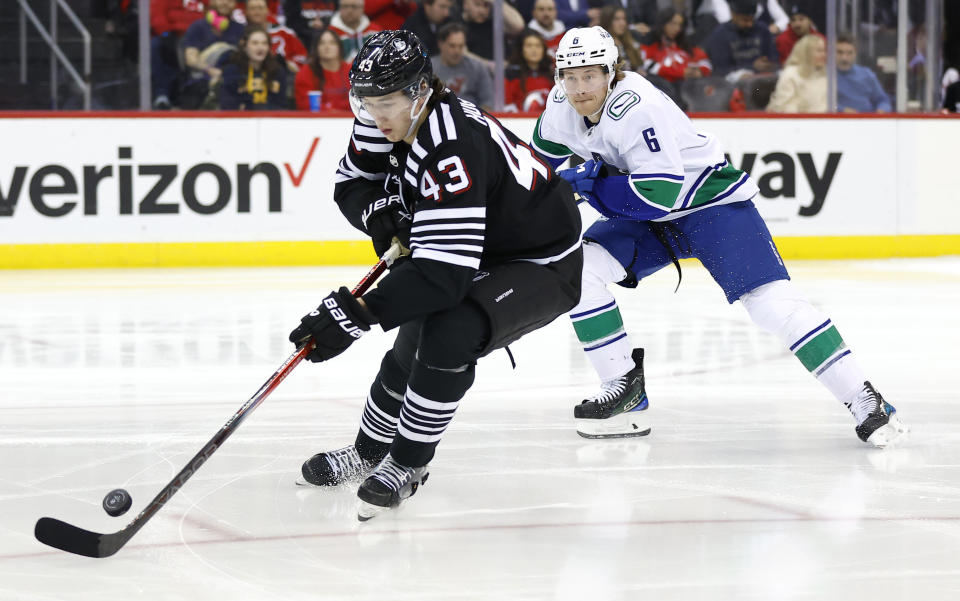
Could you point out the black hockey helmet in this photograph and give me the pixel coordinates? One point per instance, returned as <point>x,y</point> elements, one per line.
<point>390,61</point>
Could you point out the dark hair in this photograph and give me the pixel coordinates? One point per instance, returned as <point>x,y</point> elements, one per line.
<point>628,46</point>
<point>744,7</point>
<point>665,16</point>
<point>449,29</point>
<point>544,66</point>
<point>845,38</point>
<point>272,68</point>
<point>314,61</point>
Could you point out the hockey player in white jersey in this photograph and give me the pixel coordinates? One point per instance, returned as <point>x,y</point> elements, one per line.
<point>665,192</point>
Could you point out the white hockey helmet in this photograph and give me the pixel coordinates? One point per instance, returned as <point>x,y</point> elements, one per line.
<point>584,46</point>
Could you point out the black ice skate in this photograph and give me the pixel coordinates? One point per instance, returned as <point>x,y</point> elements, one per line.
<point>388,486</point>
<point>334,467</point>
<point>879,423</point>
<point>620,410</point>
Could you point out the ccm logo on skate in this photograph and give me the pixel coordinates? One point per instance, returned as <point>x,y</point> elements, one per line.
<point>345,324</point>
<point>503,296</point>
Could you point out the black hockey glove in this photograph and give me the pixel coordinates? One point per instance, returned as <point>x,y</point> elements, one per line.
<point>334,325</point>
<point>385,219</point>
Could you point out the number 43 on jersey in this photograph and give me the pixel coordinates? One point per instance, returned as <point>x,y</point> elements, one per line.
<point>456,179</point>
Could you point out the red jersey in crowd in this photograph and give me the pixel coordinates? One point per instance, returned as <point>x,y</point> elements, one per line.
<point>174,15</point>
<point>786,41</point>
<point>284,42</point>
<point>525,93</point>
<point>670,62</point>
<point>389,14</point>
<point>335,88</point>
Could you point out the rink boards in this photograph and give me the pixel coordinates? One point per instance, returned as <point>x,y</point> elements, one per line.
<point>124,191</point>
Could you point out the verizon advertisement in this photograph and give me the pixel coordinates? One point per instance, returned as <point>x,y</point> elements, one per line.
<point>271,179</point>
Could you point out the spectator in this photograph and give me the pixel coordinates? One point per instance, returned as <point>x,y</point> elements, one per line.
<point>951,99</point>
<point>467,77</point>
<point>671,55</point>
<point>741,48</point>
<point>308,17</point>
<point>390,14</point>
<point>858,89</point>
<point>205,44</point>
<point>545,23</point>
<point>529,74</point>
<point>253,78</point>
<point>708,14</point>
<point>614,20</point>
<point>573,13</point>
<point>477,17</point>
<point>284,43</point>
<point>352,26</point>
<point>800,25</point>
<point>326,72</point>
<point>802,86</point>
<point>430,16</point>
<point>169,20</point>
<point>640,14</point>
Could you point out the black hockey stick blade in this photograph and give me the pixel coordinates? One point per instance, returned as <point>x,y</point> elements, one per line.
<point>69,538</point>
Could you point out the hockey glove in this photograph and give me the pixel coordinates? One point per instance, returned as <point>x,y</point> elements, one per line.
<point>385,219</point>
<point>334,325</point>
<point>583,177</point>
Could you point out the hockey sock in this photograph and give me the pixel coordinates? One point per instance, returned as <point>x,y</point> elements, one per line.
<point>600,331</point>
<point>596,318</point>
<point>811,336</point>
<point>378,424</point>
<point>431,400</point>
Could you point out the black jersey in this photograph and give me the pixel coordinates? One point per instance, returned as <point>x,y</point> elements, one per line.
<point>478,196</point>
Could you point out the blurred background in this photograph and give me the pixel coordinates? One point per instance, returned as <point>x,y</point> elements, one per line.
<point>709,55</point>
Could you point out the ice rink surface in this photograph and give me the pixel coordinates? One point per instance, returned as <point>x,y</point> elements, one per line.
<point>752,484</point>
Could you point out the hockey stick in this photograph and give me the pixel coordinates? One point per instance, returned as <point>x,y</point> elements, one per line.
<point>70,538</point>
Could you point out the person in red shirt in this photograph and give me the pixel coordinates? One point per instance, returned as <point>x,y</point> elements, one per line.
<point>529,74</point>
<point>325,71</point>
<point>168,20</point>
<point>389,14</point>
<point>284,43</point>
<point>671,55</point>
<point>800,25</point>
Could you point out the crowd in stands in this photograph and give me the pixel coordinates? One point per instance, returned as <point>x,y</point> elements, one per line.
<point>708,55</point>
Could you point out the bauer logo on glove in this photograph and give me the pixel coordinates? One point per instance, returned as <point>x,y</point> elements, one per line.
<point>336,324</point>
<point>345,323</point>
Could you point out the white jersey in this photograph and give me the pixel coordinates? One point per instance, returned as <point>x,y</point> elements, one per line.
<point>641,132</point>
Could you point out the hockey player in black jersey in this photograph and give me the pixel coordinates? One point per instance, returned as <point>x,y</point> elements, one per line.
<point>495,241</point>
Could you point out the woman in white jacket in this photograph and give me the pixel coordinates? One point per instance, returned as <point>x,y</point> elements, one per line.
<point>802,86</point>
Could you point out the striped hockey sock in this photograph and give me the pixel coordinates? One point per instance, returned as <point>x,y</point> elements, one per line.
<point>429,404</point>
<point>825,355</point>
<point>603,338</point>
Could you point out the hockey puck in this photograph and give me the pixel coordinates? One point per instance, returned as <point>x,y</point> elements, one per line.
<point>117,502</point>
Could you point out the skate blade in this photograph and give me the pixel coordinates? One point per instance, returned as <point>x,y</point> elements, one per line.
<point>301,482</point>
<point>367,511</point>
<point>889,434</point>
<point>625,425</point>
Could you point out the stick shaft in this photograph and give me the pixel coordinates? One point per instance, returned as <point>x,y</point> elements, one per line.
<point>70,538</point>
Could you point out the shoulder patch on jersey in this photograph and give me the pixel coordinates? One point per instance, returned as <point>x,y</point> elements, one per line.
<point>622,103</point>
<point>559,96</point>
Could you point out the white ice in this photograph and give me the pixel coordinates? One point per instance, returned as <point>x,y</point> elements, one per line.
<point>752,484</point>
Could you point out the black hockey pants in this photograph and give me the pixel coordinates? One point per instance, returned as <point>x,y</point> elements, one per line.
<point>433,359</point>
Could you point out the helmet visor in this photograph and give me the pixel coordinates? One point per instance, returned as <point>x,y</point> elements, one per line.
<point>582,80</point>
